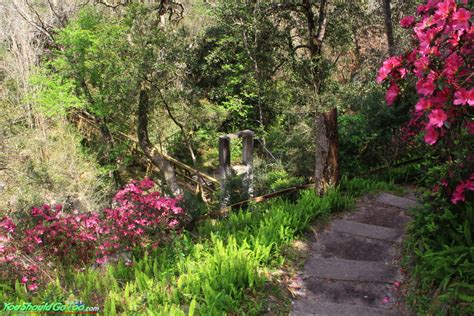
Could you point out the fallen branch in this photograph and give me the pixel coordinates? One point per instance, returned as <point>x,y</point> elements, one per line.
<point>399,164</point>
<point>224,211</point>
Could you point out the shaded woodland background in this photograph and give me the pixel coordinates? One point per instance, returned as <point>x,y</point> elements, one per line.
<point>72,73</point>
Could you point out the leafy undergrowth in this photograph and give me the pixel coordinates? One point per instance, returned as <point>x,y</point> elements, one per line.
<point>439,256</point>
<point>224,267</point>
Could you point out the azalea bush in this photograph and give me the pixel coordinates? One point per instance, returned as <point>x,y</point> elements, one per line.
<point>49,237</point>
<point>142,217</point>
<point>440,66</point>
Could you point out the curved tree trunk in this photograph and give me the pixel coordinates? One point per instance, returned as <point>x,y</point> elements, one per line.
<point>166,168</point>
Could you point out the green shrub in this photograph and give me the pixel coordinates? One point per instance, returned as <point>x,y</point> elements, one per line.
<point>370,131</point>
<point>273,180</point>
<point>439,255</point>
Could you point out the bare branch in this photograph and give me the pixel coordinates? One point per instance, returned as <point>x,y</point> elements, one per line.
<point>53,10</point>
<point>39,26</point>
<point>108,5</point>
<point>301,46</point>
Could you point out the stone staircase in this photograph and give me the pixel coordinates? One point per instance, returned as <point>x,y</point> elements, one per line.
<point>353,268</point>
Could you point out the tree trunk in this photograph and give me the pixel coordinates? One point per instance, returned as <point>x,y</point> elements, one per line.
<point>326,172</point>
<point>388,27</point>
<point>166,168</point>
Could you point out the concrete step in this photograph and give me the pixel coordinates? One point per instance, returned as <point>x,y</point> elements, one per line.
<point>397,201</point>
<point>366,230</point>
<point>340,245</point>
<point>377,214</point>
<point>307,307</point>
<point>351,270</point>
<point>369,294</point>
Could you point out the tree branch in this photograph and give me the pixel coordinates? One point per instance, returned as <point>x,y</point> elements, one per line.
<point>61,19</point>
<point>108,5</point>
<point>39,26</point>
<point>166,169</point>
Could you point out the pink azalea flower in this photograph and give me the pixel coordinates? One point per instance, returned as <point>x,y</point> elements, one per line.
<point>101,260</point>
<point>402,72</point>
<point>426,23</point>
<point>387,67</point>
<point>461,19</point>
<point>32,287</point>
<point>421,65</point>
<point>386,300</point>
<point>463,96</point>
<point>437,118</point>
<point>421,9</point>
<point>407,21</point>
<point>455,38</point>
<point>177,210</point>
<point>10,258</point>
<point>146,184</point>
<point>444,9</point>
<point>426,38</point>
<point>24,280</point>
<point>423,104</point>
<point>425,87</point>
<point>458,195</point>
<point>173,223</point>
<point>8,224</point>
<point>392,93</point>
<point>453,62</point>
<point>431,137</point>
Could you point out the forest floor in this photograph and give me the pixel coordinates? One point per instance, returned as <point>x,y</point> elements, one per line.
<point>353,265</point>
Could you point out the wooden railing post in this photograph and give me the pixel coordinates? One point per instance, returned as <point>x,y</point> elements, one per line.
<point>247,160</point>
<point>224,168</point>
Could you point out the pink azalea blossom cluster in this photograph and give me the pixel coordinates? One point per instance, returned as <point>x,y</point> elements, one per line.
<point>142,217</point>
<point>65,235</point>
<point>462,188</point>
<point>12,262</point>
<point>441,63</point>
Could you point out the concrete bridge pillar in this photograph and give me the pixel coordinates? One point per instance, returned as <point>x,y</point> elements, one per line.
<point>245,170</point>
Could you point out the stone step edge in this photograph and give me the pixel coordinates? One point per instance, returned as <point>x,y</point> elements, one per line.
<point>305,307</point>
<point>396,201</point>
<point>351,270</point>
<point>362,229</point>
